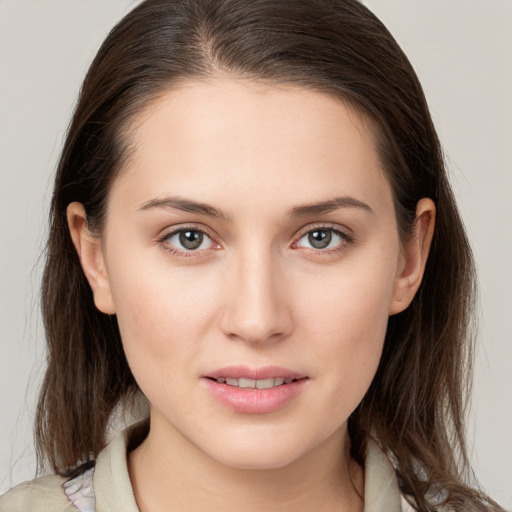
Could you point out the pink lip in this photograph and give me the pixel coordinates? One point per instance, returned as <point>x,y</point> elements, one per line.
<point>255,401</point>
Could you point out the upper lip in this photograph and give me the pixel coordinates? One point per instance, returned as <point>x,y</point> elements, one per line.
<point>245,372</point>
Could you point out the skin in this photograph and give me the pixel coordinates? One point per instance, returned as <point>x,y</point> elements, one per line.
<point>255,293</point>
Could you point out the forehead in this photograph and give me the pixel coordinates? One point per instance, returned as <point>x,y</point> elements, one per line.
<point>226,136</point>
<point>245,104</point>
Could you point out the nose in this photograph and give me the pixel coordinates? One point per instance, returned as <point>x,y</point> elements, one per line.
<point>257,310</point>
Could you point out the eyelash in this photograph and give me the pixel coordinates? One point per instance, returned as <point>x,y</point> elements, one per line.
<point>183,253</point>
<point>347,240</point>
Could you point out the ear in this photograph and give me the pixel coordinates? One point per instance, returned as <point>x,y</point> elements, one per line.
<point>414,257</point>
<point>90,253</point>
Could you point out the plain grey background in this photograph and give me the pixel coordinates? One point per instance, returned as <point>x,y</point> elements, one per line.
<point>462,51</point>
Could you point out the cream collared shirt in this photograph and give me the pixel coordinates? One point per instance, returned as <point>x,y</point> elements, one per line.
<point>107,488</point>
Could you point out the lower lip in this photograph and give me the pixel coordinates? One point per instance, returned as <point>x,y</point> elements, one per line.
<point>255,401</point>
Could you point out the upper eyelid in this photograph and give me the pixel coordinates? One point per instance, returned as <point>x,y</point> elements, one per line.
<point>328,226</point>
<point>166,235</point>
<point>168,232</point>
<point>345,234</point>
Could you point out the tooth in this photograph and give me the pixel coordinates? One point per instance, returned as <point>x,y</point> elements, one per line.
<point>254,384</point>
<point>246,383</point>
<point>265,383</point>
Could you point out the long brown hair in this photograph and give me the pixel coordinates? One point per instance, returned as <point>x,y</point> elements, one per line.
<point>416,404</point>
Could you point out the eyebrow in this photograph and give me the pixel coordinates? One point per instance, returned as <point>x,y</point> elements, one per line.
<point>336,203</point>
<point>185,205</point>
<point>304,210</point>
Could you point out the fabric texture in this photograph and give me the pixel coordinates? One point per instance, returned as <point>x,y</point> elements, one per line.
<point>107,486</point>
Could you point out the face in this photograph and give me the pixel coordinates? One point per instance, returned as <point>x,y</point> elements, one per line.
<point>251,255</point>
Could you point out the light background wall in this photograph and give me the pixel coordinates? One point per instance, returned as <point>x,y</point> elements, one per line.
<point>462,51</point>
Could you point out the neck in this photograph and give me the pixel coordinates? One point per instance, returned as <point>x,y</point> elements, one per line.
<point>170,473</point>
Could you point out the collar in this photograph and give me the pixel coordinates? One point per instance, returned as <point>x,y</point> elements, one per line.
<point>113,490</point>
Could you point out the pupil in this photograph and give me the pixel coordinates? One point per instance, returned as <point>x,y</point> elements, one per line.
<point>320,239</point>
<point>191,239</point>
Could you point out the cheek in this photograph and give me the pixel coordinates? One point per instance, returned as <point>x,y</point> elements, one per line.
<point>161,337</point>
<point>347,321</point>
<point>163,313</point>
<point>351,301</point>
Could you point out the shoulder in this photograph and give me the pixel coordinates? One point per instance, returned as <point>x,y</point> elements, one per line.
<point>43,494</point>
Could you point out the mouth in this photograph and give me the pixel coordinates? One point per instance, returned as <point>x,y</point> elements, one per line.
<point>255,390</point>
<point>246,383</point>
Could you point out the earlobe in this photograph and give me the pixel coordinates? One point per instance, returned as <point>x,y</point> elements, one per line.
<point>90,253</point>
<point>414,257</point>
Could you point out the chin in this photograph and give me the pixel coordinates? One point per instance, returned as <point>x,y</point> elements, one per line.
<point>255,452</point>
<point>259,459</point>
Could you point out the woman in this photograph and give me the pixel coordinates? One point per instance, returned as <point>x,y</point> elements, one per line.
<point>252,228</point>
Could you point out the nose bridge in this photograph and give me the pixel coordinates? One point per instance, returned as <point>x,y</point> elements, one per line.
<point>257,310</point>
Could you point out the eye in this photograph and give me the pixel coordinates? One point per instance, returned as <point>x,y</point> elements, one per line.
<point>187,240</point>
<point>323,238</point>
